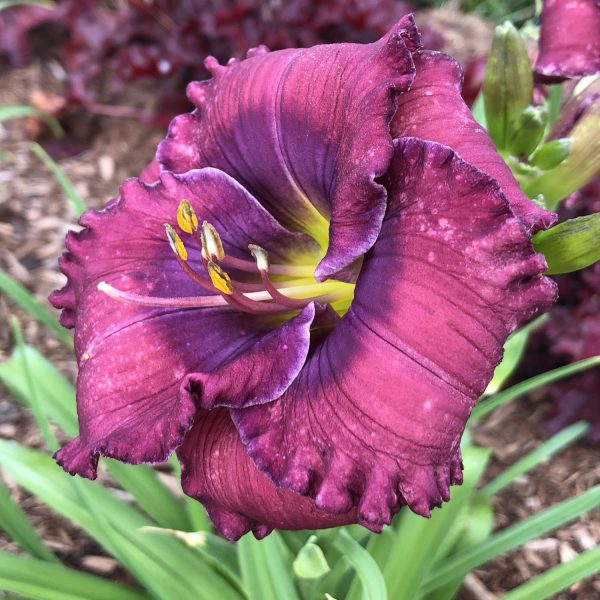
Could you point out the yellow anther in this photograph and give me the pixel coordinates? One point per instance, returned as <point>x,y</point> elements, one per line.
<point>212,246</point>
<point>176,244</point>
<point>261,257</point>
<point>186,217</point>
<point>219,278</point>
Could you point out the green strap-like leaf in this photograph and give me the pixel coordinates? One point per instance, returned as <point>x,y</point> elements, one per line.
<point>485,407</point>
<point>571,245</point>
<point>22,110</point>
<point>369,574</point>
<point>512,537</point>
<point>32,578</point>
<point>18,527</point>
<point>65,183</point>
<point>158,563</point>
<point>513,352</point>
<point>530,461</point>
<point>57,397</point>
<point>26,300</point>
<point>265,573</point>
<point>559,578</point>
<point>405,555</point>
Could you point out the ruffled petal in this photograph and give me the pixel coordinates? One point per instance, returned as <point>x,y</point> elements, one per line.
<point>306,131</point>
<point>259,375</point>
<point>434,110</point>
<point>569,40</point>
<point>132,359</point>
<point>217,471</point>
<point>375,417</point>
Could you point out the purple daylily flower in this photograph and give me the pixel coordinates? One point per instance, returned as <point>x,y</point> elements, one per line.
<point>569,40</point>
<point>296,401</point>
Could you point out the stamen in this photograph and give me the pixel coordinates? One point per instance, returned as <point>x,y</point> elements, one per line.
<point>219,278</point>
<point>261,257</point>
<point>248,266</point>
<point>186,217</point>
<point>176,244</point>
<point>262,263</point>
<point>212,246</point>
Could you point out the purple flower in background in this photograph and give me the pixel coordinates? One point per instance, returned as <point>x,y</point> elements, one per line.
<point>569,40</point>
<point>329,380</point>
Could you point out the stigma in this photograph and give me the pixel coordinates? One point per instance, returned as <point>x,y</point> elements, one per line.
<point>227,281</point>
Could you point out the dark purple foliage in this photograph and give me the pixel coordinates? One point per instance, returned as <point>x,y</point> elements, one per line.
<point>167,40</point>
<point>573,333</point>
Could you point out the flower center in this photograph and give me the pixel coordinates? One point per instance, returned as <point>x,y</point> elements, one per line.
<point>259,288</point>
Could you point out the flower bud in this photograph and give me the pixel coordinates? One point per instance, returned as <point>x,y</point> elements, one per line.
<point>527,130</point>
<point>580,121</point>
<point>508,84</point>
<point>551,154</point>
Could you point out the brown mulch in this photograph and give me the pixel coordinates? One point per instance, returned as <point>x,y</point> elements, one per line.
<point>34,217</point>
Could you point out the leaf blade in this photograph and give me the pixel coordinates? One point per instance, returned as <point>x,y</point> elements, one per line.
<point>571,245</point>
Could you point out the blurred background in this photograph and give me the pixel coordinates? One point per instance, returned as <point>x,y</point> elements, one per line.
<point>97,83</point>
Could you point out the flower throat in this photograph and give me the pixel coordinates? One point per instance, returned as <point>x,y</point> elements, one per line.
<point>278,288</point>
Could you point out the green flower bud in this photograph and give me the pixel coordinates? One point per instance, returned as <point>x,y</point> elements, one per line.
<point>527,130</point>
<point>311,562</point>
<point>508,84</point>
<point>551,154</point>
<point>580,121</point>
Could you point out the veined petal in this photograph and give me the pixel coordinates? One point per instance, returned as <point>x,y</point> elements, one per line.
<point>306,131</point>
<point>217,471</point>
<point>569,40</point>
<point>434,110</point>
<point>132,359</point>
<point>375,417</point>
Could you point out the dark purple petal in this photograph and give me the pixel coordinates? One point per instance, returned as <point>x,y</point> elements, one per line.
<point>132,359</point>
<point>306,131</point>
<point>258,375</point>
<point>375,417</point>
<point>434,110</point>
<point>569,40</point>
<point>217,471</point>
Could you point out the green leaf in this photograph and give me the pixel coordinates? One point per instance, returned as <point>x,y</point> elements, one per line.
<point>311,562</point>
<point>18,527</point>
<point>158,563</point>
<point>513,352</point>
<point>571,245</point>
<point>558,578</point>
<point>26,300</point>
<point>485,407</point>
<point>530,461</point>
<point>265,574</point>
<point>21,110</point>
<point>153,496</point>
<point>423,536</point>
<point>41,580</point>
<point>512,537</point>
<point>38,412</point>
<point>57,396</point>
<point>65,183</point>
<point>219,554</point>
<point>476,527</point>
<point>370,576</point>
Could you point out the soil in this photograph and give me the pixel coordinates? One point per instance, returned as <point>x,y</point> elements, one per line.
<point>34,217</point>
